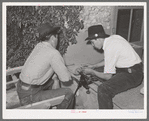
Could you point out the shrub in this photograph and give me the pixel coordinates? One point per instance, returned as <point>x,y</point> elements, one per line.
<point>22,23</point>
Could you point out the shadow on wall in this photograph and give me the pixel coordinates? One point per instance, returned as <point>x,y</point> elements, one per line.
<point>81,52</point>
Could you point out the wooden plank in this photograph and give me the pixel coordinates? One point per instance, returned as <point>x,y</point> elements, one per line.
<point>130,23</point>
<point>12,71</point>
<point>45,104</point>
<point>12,82</point>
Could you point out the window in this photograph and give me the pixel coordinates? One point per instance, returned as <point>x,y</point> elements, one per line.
<point>130,23</point>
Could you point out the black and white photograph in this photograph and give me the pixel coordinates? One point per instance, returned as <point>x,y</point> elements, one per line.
<point>77,60</point>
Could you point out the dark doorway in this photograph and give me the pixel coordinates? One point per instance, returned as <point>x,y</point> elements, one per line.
<point>129,24</point>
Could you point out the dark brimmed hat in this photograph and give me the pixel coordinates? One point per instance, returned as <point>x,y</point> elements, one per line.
<point>46,29</point>
<point>96,31</point>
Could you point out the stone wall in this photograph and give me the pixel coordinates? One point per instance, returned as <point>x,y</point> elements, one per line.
<point>92,15</point>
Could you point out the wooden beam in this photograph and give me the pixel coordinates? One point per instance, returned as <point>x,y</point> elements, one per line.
<point>12,71</point>
<point>130,23</point>
<point>12,82</point>
<point>45,104</point>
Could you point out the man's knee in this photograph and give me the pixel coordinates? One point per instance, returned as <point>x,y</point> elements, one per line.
<point>68,93</point>
<point>103,89</point>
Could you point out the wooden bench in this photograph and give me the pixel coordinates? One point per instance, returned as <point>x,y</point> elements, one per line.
<point>14,102</point>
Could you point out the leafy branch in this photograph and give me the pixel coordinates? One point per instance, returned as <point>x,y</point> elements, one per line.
<point>22,23</point>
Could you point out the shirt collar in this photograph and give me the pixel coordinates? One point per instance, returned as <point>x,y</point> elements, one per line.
<point>104,44</point>
<point>47,43</point>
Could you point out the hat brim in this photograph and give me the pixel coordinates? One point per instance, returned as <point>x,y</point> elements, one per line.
<point>93,37</point>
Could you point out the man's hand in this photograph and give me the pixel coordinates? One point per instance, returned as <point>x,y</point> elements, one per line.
<point>78,70</point>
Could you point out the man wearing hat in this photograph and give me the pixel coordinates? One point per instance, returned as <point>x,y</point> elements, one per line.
<point>122,65</point>
<point>41,70</point>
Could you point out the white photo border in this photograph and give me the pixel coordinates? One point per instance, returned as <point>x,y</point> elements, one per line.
<point>70,114</point>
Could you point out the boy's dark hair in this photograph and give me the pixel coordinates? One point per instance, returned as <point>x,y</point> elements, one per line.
<point>43,38</point>
<point>46,31</point>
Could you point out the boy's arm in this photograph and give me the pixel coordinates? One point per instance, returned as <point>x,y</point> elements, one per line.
<point>101,63</point>
<point>105,76</point>
<point>89,71</point>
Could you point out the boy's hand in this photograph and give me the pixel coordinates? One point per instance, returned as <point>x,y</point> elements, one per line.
<point>88,71</point>
<point>88,66</point>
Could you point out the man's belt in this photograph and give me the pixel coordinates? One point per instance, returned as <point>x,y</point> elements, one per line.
<point>137,67</point>
<point>28,85</point>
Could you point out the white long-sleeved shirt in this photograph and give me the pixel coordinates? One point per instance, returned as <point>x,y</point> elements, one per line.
<point>118,53</point>
<point>42,63</point>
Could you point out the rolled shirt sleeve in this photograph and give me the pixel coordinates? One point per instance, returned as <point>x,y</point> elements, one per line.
<point>58,65</point>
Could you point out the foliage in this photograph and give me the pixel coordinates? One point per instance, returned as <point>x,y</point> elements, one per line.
<point>22,23</point>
